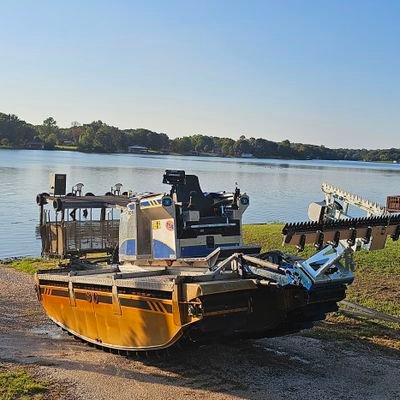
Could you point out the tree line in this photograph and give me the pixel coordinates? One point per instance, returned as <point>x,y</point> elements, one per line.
<point>100,137</point>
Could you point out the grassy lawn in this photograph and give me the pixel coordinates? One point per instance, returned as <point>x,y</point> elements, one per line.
<point>31,265</point>
<point>18,384</point>
<point>376,284</point>
<point>66,147</point>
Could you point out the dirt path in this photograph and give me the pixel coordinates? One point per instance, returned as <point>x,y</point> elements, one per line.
<point>291,367</point>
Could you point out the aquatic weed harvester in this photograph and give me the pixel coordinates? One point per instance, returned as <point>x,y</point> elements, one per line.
<point>180,270</point>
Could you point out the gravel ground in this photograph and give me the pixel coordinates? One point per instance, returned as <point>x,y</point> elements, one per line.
<point>291,367</point>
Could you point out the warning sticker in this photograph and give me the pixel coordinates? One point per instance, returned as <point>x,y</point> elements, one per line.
<point>156,224</point>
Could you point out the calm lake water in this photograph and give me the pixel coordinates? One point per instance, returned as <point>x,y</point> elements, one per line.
<point>279,190</point>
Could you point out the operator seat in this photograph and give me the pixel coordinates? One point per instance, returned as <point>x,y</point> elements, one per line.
<point>192,197</point>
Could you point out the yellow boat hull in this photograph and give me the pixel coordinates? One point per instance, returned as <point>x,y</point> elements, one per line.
<point>129,319</point>
<point>93,318</point>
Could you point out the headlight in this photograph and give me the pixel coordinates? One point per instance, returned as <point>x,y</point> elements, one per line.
<point>167,201</point>
<point>244,200</point>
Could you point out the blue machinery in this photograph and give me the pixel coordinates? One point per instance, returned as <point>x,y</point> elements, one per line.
<point>184,223</point>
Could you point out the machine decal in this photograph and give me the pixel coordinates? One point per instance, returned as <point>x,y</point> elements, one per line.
<point>155,306</point>
<point>156,224</point>
<point>135,303</point>
<point>128,247</point>
<point>163,237</point>
<point>161,250</point>
<point>131,208</point>
<point>150,203</point>
<point>169,225</point>
<point>160,307</point>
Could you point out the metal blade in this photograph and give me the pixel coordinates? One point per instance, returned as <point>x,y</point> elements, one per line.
<point>371,230</point>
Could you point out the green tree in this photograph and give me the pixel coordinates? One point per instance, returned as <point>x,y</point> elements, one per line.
<point>49,133</point>
<point>15,131</point>
<point>243,146</point>
<point>182,145</point>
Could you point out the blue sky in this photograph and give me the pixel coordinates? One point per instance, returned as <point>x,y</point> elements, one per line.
<point>323,72</point>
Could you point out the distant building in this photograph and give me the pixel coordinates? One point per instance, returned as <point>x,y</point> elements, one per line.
<point>246,155</point>
<point>137,149</point>
<point>35,145</point>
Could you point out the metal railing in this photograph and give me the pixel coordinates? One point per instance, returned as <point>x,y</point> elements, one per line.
<point>74,238</point>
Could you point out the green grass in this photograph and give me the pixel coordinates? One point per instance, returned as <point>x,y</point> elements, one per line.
<point>18,384</point>
<point>377,274</point>
<point>385,261</point>
<point>31,265</point>
<point>66,147</point>
<point>269,236</point>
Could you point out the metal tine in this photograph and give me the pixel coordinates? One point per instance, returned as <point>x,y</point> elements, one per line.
<point>351,223</point>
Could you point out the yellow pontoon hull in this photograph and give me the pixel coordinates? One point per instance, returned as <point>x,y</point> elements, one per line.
<point>124,318</point>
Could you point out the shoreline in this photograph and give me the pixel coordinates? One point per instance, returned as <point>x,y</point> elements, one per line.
<point>205,155</point>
